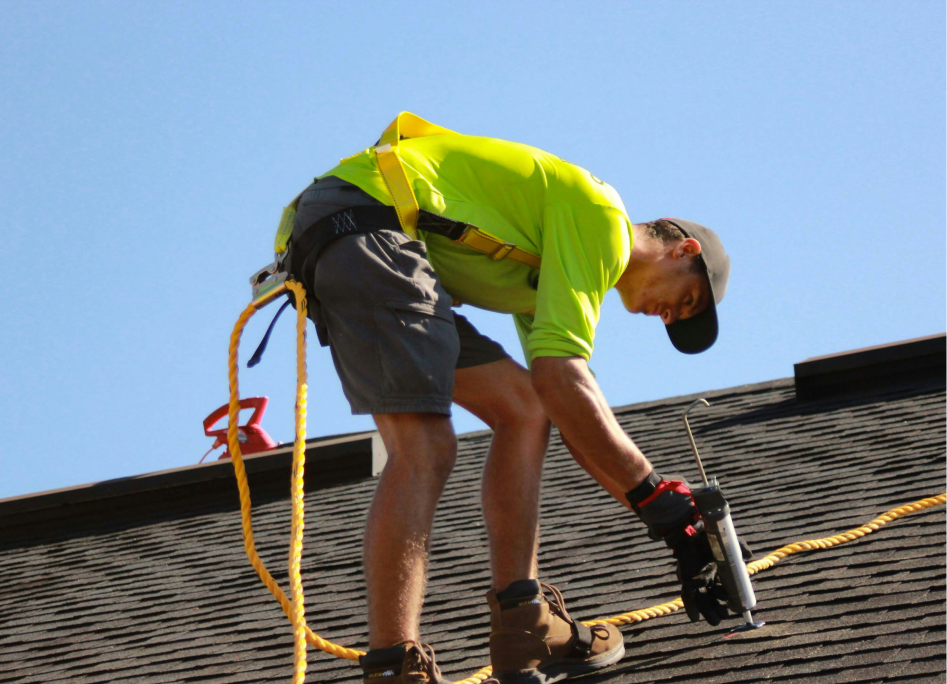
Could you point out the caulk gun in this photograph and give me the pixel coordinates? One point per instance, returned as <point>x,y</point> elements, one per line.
<point>724,543</point>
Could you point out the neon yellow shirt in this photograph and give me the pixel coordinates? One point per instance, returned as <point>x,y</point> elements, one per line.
<point>533,199</point>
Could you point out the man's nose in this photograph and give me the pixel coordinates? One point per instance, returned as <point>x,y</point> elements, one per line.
<point>669,316</point>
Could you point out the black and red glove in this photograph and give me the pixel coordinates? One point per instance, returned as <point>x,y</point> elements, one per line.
<point>667,508</point>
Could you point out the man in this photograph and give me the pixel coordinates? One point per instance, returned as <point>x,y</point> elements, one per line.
<point>509,228</point>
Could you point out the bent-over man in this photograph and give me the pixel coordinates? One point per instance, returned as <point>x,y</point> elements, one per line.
<point>384,243</point>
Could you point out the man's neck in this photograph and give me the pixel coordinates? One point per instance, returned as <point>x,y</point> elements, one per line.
<point>645,252</point>
<point>646,249</point>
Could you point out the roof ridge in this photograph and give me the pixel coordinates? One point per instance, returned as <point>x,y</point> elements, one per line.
<point>749,388</point>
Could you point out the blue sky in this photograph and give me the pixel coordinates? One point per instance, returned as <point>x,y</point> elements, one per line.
<point>148,150</point>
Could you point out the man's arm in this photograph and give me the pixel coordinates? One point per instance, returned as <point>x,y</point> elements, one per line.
<point>573,401</point>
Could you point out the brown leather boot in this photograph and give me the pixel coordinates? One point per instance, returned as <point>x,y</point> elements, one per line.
<point>410,662</point>
<point>534,641</point>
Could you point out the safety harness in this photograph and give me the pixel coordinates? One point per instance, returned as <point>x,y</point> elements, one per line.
<point>405,208</point>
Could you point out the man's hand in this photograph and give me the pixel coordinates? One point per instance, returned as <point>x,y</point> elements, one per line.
<point>701,589</point>
<point>668,510</point>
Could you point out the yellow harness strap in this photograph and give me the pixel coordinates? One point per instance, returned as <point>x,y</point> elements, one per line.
<point>285,230</point>
<point>495,248</point>
<point>408,125</point>
<point>405,203</point>
<point>405,125</point>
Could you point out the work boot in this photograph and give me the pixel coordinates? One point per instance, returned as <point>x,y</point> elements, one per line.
<point>534,641</point>
<point>410,662</point>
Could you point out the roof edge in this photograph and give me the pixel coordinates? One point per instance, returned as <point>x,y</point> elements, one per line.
<point>338,458</point>
<point>342,458</point>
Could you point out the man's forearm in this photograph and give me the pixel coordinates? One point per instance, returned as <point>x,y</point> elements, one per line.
<point>573,401</point>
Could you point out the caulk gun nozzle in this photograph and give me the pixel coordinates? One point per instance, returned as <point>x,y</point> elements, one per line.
<point>748,622</point>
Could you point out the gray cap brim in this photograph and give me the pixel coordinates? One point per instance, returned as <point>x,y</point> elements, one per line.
<point>695,334</point>
<point>698,333</point>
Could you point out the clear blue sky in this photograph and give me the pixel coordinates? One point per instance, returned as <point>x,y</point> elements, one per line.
<point>148,149</point>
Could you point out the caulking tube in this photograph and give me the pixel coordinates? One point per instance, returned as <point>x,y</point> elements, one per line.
<point>725,545</point>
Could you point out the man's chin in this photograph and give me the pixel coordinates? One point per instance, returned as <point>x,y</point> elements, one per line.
<point>634,308</point>
<point>631,307</point>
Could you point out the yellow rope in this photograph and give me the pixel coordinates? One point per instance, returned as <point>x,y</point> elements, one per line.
<point>243,486</point>
<point>297,491</point>
<point>812,544</point>
<point>296,611</point>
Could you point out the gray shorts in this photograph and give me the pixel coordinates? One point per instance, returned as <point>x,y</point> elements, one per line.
<point>380,307</point>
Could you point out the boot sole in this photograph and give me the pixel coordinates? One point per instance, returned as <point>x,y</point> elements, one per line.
<point>556,672</point>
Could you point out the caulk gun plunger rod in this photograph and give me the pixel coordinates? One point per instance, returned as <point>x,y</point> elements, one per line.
<point>690,435</point>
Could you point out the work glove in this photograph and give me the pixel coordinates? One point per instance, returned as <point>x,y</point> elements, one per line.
<point>701,588</point>
<point>667,508</point>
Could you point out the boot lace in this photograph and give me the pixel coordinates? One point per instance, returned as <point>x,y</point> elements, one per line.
<point>558,606</point>
<point>424,662</point>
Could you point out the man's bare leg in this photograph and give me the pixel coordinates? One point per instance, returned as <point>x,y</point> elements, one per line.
<point>501,395</point>
<point>421,448</point>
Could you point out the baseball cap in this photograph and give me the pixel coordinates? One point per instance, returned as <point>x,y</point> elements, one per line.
<point>697,333</point>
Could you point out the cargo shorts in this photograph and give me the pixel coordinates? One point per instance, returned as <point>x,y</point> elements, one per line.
<point>381,309</point>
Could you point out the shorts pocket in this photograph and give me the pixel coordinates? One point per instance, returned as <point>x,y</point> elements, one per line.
<point>413,263</point>
<point>418,347</point>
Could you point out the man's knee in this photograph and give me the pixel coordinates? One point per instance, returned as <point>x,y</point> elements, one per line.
<point>424,442</point>
<point>519,408</point>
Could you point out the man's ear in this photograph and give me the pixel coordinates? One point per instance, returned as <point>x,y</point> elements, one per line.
<point>688,247</point>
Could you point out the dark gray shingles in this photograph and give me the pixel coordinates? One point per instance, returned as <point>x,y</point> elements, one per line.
<point>164,593</point>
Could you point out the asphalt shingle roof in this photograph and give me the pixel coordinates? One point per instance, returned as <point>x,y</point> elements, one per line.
<point>158,589</point>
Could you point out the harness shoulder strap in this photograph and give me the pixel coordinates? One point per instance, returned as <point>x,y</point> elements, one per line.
<point>405,203</point>
<point>408,125</point>
<point>405,125</point>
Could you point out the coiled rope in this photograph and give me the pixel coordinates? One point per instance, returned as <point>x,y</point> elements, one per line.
<point>295,609</point>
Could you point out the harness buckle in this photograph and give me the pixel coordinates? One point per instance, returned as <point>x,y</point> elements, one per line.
<point>267,284</point>
<point>502,251</point>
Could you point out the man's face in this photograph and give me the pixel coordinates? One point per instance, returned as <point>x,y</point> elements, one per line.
<point>670,289</point>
